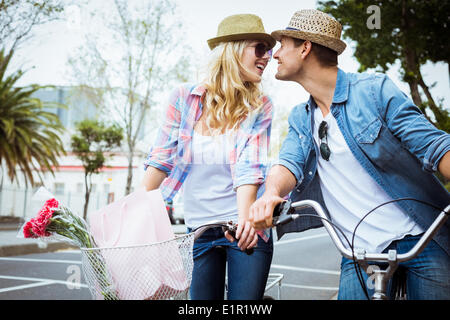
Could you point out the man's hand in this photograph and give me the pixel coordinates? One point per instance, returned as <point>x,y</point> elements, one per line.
<point>261,211</point>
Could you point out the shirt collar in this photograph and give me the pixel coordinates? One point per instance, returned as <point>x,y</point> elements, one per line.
<point>342,86</point>
<point>340,91</point>
<point>198,90</point>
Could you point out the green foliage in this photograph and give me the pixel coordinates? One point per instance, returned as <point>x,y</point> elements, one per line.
<point>412,32</point>
<point>92,140</point>
<point>18,17</point>
<point>29,135</point>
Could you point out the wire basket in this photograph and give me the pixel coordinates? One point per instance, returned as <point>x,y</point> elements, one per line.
<point>158,271</point>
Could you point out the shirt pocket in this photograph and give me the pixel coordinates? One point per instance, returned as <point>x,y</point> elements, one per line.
<point>378,144</point>
<point>369,133</point>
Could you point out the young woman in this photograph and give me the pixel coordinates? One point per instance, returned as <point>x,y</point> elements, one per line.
<point>214,142</point>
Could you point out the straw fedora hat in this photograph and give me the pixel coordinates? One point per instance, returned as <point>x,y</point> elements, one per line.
<point>315,26</point>
<point>241,27</point>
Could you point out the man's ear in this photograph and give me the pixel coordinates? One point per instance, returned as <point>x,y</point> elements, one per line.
<point>305,49</point>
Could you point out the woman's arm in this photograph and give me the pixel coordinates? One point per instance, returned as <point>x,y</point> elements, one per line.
<point>246,195</point>
<point>153,178</point>
<point>163,150</point>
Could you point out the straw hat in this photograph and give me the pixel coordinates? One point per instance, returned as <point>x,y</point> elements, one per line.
<point>241,27</point>
<point>315,26</point>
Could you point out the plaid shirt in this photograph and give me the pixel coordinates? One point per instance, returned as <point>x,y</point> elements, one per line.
<point>172,150</point>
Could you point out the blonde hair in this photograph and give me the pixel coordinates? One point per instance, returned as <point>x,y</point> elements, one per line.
<point>229,99</point>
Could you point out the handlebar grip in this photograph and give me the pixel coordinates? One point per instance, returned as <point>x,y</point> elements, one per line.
<point>279,208</point>
<point>283,213</point>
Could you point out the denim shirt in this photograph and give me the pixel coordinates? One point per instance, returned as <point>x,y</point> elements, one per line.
<point>387,134</point>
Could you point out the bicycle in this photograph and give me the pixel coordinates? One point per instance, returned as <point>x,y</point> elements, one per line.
<point>285,212</point>
<point>107,270</point>
<point>272,279</point>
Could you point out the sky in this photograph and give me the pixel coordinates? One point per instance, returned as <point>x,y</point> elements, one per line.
<point>45,57</point>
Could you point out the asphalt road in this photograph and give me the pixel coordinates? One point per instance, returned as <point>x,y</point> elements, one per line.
<point>308,261</point>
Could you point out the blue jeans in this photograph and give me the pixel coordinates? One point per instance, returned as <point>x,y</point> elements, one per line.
<point>427,276</point>
<point>247,274</point>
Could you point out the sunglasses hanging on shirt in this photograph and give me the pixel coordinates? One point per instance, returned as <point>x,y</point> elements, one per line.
<point>325,151</point>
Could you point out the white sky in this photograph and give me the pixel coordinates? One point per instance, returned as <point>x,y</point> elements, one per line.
<point>46,56</point>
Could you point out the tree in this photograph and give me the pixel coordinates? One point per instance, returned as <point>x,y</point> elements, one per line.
<point>411,31</point>
<point>128,60</point>
<point>29,135</point>
<point>91,142</point>
<point>18,17</point>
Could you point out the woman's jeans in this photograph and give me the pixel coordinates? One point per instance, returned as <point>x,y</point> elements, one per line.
<point>247,274</point>
<point>427,276</point>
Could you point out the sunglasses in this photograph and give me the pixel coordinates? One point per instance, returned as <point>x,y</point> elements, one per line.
<point>325,151</point>
<point>261,49</point>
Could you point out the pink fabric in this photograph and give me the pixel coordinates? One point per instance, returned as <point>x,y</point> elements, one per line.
<point>139,219</point>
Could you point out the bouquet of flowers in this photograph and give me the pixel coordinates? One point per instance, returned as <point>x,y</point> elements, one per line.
<point>54,221</point>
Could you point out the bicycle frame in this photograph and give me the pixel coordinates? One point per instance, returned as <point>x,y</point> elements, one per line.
<point>381,277</point>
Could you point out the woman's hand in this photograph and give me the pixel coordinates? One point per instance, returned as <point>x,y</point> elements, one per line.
<point>246,235</point>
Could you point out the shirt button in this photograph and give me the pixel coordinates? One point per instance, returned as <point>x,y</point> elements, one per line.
<point>310,173</point>
<point>300,136</point>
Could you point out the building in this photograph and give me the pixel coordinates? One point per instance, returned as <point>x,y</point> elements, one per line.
<point>68,181</point>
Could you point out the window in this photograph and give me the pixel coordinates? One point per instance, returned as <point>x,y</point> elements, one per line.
<point>59,188</point>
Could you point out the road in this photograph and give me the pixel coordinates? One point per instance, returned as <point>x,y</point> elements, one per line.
<point>308,261</point>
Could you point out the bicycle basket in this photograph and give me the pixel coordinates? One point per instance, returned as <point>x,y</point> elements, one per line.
<point>158,271</point>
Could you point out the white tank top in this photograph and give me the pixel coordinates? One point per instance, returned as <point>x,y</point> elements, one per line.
<point>350,192</point>
<point>208,188</point>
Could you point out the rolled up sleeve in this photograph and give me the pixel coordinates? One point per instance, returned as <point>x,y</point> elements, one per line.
<point>291,153</point>
<point>162,152</point>
<point>405,120</point>
<point>252,162</point>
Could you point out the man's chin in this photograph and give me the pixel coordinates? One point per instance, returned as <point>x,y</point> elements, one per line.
<point>279,76</point>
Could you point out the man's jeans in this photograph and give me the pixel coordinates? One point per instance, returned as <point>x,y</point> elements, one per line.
<point>247,274</point>
<point>427,276</point>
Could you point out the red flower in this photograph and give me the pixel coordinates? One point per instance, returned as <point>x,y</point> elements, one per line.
<point>41,222</point>
<point>51,203</point>
<point>27,230</point>
<point>37,227</point>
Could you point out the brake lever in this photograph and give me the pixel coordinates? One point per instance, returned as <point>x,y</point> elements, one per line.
<point>232,228</point>
<point>283,213</point>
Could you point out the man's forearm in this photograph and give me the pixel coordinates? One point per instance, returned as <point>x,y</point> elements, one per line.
<point>444,166</point>
<point>280,181</point>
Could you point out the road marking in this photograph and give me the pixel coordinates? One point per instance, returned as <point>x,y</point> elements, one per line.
<point>39,280</point>
<point>40,260</point>
<point>300,269</point>
<point>69,251</point>
<point>26,286</point>
<point>299,286</point>
<point>277,243</point>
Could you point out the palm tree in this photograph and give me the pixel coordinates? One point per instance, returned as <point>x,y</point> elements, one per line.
<point>29,135</point>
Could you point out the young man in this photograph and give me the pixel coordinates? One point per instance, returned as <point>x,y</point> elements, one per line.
<point>357,143</point>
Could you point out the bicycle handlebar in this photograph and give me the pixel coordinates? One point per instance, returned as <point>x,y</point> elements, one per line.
<point>285,212</point>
